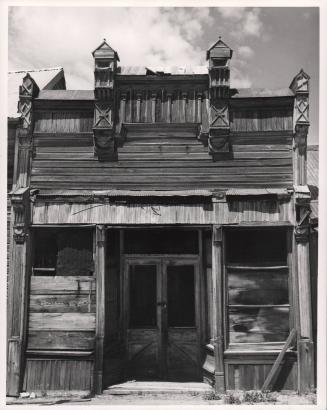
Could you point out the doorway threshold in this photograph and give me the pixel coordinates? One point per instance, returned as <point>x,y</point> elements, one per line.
<point>158,387</point>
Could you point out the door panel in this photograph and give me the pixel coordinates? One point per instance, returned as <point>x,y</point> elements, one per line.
<point>182,322</point>
<point>182,354</point>
<point>162,318</point>
<point>143,286</point>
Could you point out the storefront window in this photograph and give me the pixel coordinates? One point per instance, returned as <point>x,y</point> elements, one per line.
<point>257,285</point>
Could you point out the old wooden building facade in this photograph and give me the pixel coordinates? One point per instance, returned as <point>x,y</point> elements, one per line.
<point>160,231</point>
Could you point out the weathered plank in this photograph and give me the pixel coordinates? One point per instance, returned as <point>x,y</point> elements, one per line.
<point>62,321</point>
<point>276,365</point>
<point>84,303</point>
<point>62,285</point>
<point>60,340</point>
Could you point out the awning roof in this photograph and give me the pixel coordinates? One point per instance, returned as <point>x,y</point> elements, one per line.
<point>123,192</point>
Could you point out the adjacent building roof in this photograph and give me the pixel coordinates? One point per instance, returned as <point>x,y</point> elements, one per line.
<point>45,78</point>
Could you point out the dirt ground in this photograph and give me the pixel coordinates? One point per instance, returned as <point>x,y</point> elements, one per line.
<point>161,399</point>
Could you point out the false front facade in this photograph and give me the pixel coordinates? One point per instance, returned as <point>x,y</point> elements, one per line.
<point>160,231</point>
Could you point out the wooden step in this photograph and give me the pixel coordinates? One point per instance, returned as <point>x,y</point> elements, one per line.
<point>159,387</point>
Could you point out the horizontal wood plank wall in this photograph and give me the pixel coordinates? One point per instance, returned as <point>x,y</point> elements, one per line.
<point>244,375</point>
<point>261,156</point>
<point>201,213</point>
<point>61,332</point>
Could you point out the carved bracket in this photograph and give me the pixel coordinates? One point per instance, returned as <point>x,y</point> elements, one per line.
<point>300,138</point>
<point>218,143</point>
<point>25,139</point>
<point>217,235</point>
<point>21,210</point>
<point>104,144</point>
<point>303,211</point>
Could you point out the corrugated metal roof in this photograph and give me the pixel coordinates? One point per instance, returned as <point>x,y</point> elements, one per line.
<point>42,77</point>
<point>261,92</point>
<point>123,192</point>
<point>80,95</point>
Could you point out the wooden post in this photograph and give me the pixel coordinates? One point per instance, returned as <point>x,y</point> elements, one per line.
<point>100,266</point>
<point>217,309</point>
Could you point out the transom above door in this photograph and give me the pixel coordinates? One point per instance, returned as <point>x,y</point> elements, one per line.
<point>161,317</point>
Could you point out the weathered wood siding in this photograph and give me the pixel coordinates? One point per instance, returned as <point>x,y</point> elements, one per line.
<point>250,373</point>
<point>44,375</point>
<point>274,211</point>
<point>61,332</point>
<point>163,158</point>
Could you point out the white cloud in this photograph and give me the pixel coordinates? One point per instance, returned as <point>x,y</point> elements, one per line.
<point>232,13</point>
<point>252,23</point>
<point>66,36</point>
<point>245,52</point>
<point>246,21</point>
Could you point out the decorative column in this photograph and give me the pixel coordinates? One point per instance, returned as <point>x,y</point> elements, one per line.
<point>300,87</point>
<point>219,56</point>
<point>19,267</point>
<point>217,309</point>
<point>100,267</point>
<point>105,59</point>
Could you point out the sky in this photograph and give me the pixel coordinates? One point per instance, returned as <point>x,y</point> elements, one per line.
<point>270,44</point>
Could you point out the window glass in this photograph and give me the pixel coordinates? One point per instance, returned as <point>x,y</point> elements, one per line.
<point>180,289</point>
<point>257,285</point>
<point>142,296</point>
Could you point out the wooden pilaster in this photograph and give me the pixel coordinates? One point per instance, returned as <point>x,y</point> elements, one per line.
<point>104,126</point>
<point>217,309</point>
<point>219,56</point>
<point>300,88</point>
<point>100,263</point>
<point>19,266</point>
<point>305,341</point>
<point>17,290</point>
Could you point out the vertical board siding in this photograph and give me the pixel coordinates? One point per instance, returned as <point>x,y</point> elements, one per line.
<point>58,374</point>
<point>245,376</point>
<point>63,121</point>
<point>261,120</point>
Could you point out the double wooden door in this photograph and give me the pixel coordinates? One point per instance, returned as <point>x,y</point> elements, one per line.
<point>161,315</point>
